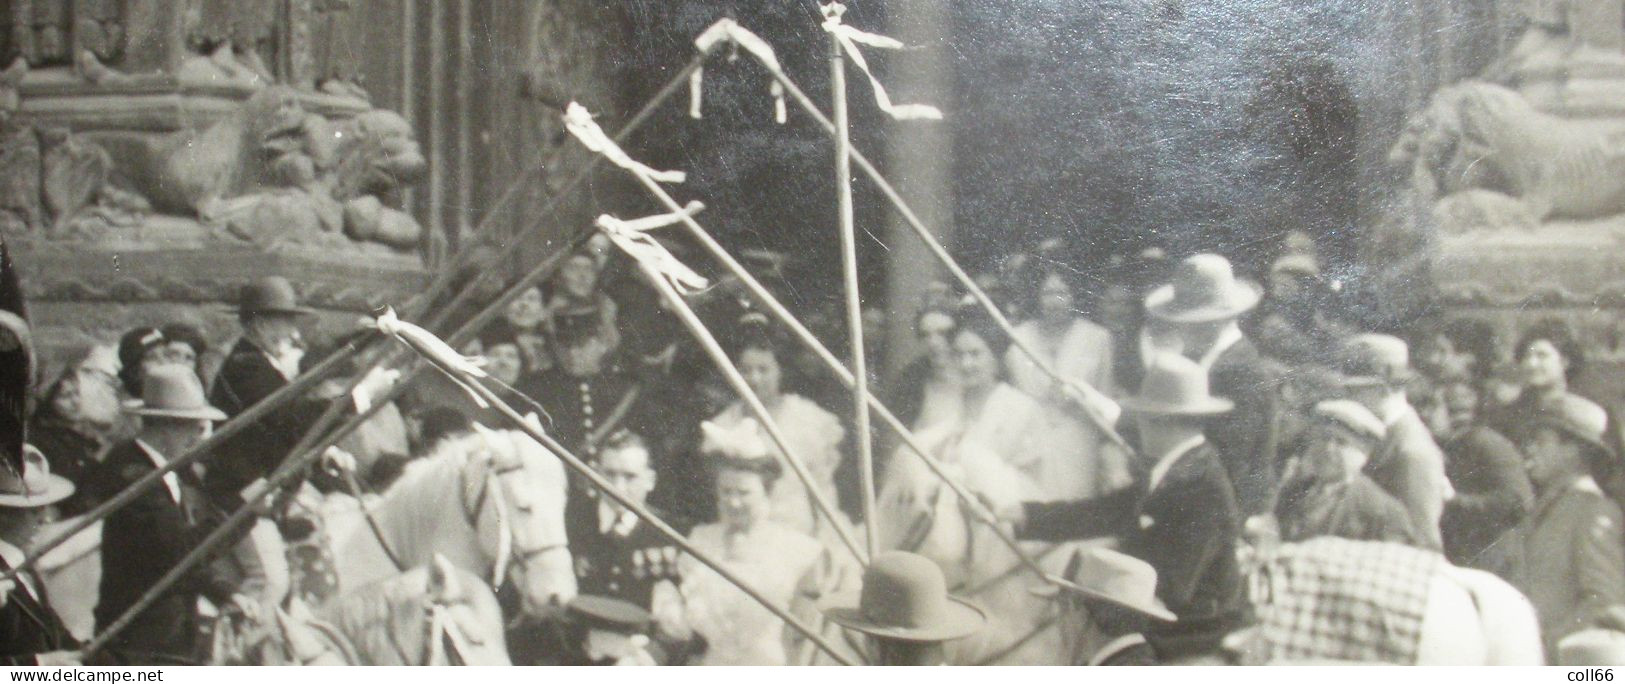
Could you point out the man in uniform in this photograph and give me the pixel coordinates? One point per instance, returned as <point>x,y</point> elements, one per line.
<point>617,554</point>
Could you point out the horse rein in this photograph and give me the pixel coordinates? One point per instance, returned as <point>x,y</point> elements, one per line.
<point>491,488</point>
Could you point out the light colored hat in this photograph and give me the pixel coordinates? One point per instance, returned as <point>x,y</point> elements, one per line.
<point>36,486</point>
<point>1175,385</point>
<point>744,439</point>
<point>1112,576</point>
<point>1376,359</point>
<point>173,391</point>
<point>1204,288</point>
<point>905,597</point>
<point>1300,264</point>
<point>1596,646</point>
<point>1352,416</point>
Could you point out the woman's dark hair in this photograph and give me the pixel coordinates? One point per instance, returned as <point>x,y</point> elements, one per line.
<point>131,347</point>
<point>1468,335</point>
<point>1032,286</point>
<point>1560,336</point>
<point>756,332</point>
<point>976,321</point>
<point>766,467</point>
<point>439,422</point>
<point>135,344</point>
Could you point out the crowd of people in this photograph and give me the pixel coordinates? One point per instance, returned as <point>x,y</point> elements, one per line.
<point>1188,413</point>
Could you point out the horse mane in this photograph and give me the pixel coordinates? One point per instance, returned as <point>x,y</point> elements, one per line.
<point>414,504</point>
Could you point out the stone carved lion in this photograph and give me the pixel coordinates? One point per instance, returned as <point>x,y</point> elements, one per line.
<point>274,173</point>
<point>1483,151</point>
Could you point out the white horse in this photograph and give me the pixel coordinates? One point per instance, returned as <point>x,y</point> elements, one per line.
<point>434,615</point>
<point>917,512</point>
<point>491,503</point>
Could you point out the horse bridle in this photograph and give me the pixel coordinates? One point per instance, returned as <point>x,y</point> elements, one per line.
<point>491,488</point>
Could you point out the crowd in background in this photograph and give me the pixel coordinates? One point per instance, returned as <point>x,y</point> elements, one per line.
<point>1440,437</point>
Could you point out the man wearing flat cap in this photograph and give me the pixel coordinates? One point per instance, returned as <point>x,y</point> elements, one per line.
<point>30,632</point>
<point>1324,490</point>
<point>146,539</point>
<point>1573,561</point>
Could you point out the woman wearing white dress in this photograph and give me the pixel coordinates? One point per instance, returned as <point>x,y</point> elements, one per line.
<point>1081,462</point>
<point>791,569</point>
<point>813,434</point>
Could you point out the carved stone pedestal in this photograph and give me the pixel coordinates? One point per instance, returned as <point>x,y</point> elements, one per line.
<point>85,293</point>
<point>1568,271</point>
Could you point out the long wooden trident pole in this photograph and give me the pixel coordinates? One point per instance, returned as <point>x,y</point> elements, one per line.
<point>854,299</point>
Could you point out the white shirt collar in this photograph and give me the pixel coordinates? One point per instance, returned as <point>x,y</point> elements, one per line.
<point>14,558</point>
<point>1160,471</point>
<point>171,481</point>
<point>608,520</point>
<point>1116,646</point>
<point>1393,408</point>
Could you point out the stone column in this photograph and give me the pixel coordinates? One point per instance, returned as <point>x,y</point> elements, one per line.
<point>920,161</point>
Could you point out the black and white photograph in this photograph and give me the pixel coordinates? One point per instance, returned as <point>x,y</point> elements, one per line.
<point>812,332</point>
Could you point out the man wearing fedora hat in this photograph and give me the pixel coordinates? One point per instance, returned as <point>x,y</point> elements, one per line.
<point>1573,562</point>
<point>1197,315</point>
<point>146,539</point>
<point>267,357</point>
<point>1107,600</point>
<point>905,611</point>
<point>1182,518</point>
<point>1408,463</point>
<point>30,632</point>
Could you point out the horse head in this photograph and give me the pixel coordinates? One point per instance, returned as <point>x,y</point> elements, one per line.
<point>464,623</point>
<point>520,517</point>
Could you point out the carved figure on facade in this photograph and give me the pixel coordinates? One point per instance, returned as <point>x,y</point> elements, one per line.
<point>1482,137</point>
<point>275,173</point>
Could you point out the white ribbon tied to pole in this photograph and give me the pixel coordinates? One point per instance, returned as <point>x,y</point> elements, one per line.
<point>633,238</point>
<point>579,122</point>
<point>849,37</point>
<point>729,31</point>
<point>425,342</point>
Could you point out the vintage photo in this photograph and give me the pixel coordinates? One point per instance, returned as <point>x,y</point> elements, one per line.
<point>802,332</point>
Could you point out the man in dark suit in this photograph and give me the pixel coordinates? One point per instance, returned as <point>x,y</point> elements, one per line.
<point>586,393</point>
<point>266,358</point>
<point>146,539</point>
<point>1182,518</point>
<point>30,632</point>
<point>1196,316</point>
